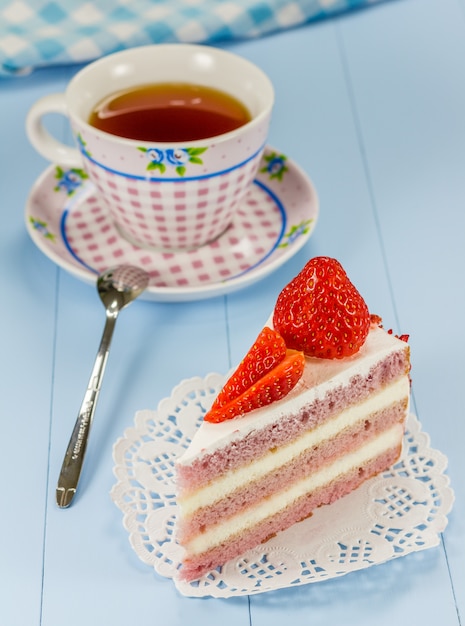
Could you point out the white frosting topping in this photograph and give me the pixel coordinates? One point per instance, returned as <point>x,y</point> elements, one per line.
<point>319,377</point>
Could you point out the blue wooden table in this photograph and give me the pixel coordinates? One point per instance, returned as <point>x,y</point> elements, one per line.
<point>371,105</point>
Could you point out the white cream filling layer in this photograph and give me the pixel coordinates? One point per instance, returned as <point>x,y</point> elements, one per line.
<point>251,517</point>
<point>237,478</point>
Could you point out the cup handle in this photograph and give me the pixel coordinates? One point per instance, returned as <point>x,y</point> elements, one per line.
<point>49,147</point>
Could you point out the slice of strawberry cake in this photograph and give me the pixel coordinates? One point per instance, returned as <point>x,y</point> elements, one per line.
<point>315,408</point>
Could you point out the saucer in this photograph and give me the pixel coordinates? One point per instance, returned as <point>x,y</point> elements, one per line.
<point>70,224</point>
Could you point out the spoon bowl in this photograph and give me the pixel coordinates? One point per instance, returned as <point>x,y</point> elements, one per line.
<point>117,287</point>
<point>120,285</point>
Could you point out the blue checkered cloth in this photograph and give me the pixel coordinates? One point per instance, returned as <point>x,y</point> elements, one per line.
<point>35,33</point>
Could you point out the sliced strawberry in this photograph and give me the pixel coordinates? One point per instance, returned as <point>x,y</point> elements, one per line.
<point>274,385</point>
<point>321,312</point>
<point>268,350</point>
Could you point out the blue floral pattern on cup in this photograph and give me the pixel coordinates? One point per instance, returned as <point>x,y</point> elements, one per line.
<point>176,158</point>
<point>83,146</point>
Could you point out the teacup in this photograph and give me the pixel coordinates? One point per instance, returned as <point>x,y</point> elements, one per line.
<point>164,195</point>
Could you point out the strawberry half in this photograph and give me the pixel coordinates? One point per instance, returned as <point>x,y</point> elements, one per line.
<point>321,312</point>
<point>274,385</point>
<point>267,351</point>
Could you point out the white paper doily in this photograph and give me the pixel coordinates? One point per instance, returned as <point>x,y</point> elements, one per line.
<point>398,512</point>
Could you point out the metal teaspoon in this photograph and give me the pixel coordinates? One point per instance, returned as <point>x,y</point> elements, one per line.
<point>117,287</point>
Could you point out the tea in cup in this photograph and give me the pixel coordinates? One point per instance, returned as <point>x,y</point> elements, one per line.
<point>171,135</point>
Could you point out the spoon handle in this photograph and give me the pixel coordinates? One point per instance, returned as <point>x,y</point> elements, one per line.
<point>74,456</point>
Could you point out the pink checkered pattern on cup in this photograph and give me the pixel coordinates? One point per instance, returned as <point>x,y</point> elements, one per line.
<point>173,214</point>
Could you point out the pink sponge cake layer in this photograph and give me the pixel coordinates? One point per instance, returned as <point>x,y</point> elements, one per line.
<point>243,480</point>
